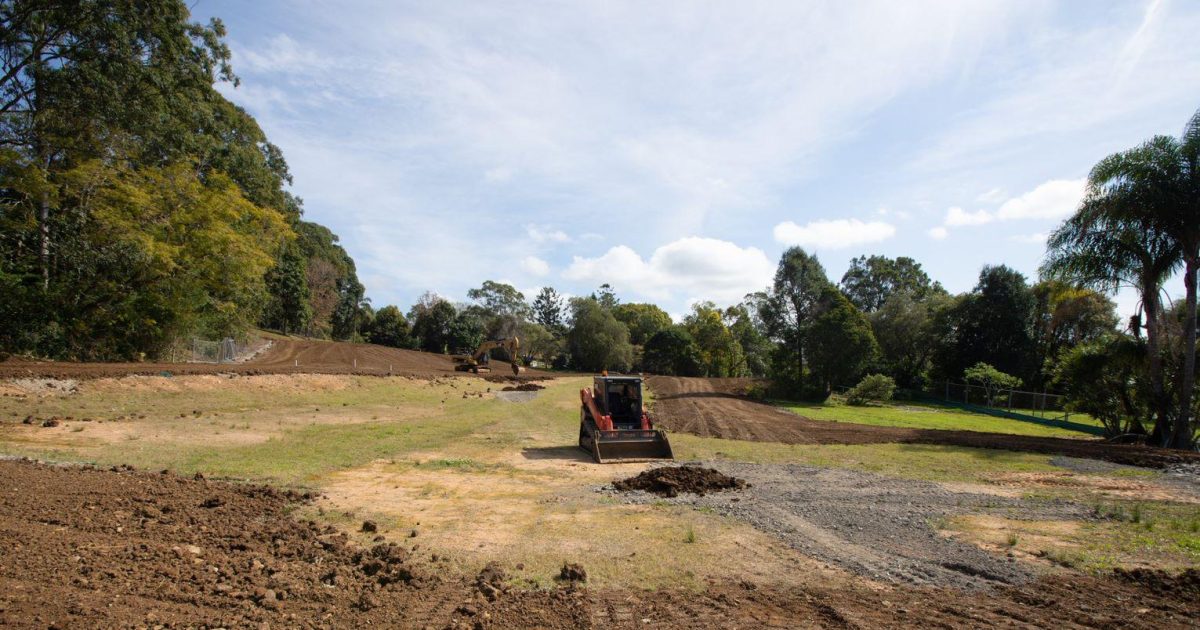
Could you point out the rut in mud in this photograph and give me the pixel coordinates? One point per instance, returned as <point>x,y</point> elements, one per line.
<point>716,407</point>
<point>120,548</point>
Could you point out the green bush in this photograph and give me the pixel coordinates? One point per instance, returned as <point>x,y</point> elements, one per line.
<point>873,388</point>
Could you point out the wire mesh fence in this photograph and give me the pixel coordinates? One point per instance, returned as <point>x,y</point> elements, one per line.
<point>227,350</point>
<point>1037,404</point>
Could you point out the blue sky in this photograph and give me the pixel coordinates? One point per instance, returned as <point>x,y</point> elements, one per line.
<point>675,149</point>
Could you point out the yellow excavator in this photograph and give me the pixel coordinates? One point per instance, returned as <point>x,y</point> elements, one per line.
<point>478,361</point>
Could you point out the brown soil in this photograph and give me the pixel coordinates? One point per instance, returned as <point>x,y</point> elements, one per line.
<point>669,481</point>
<point>716,408</point>
<point>285,356</point>
<point>119,548</point>
<point>524,387</point>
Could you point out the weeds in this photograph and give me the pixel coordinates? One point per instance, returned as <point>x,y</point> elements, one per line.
<point>691,535</point>
<point>1012,540</point>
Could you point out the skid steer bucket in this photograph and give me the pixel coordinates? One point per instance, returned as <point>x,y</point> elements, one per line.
<point>618,446</point>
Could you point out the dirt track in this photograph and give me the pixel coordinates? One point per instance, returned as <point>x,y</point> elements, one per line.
<point>285,356</point>
<point>100,548</point>
<point>715,408</point>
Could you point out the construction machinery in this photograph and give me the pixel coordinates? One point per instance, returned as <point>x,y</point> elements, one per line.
<point>478,361</point>
<point>613,425</point>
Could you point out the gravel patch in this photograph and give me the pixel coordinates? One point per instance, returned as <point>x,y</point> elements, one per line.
<point>516,396</point>
<point>877,527</point>
<point>1089,466</point>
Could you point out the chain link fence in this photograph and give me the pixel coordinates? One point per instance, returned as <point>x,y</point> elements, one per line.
<point>1042,407</point>
<point>227,350</point>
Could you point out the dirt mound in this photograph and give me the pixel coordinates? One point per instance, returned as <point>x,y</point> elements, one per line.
<point>717,408</point>
<point>524,387</point>
<point>92,548</point>
<point>669,481</point>
<point>1185,584</point>
<point>285,356</point>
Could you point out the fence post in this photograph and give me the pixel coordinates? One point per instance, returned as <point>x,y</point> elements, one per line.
<point>947,397</point>
<point>1010,393</point>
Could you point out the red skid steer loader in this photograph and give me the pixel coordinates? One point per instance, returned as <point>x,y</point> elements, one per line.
<point>614,427</point>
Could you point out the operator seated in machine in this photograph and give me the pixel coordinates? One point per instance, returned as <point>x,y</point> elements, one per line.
<point>627,407</point>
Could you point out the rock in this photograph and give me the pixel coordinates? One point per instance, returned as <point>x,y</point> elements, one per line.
<point>369,526</point>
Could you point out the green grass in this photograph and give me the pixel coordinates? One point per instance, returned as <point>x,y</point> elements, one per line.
<point>387,418</point>
<point>917,415</point>
<point>1164,534</point>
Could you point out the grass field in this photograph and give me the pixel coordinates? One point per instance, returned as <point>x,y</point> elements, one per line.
<point>919,415</point>
<point>416,455</point>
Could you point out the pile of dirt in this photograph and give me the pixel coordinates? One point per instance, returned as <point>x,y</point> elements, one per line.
<point>716,407</point>
<point>1185,584</point>
<point>669,481</point>
<point>94,548</point>
<point>524,387</point>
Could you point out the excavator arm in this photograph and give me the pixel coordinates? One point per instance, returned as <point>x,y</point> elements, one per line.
<point>512,345</point>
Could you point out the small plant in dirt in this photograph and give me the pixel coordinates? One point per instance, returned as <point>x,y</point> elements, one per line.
<point>873,388</point>
<point>1012,540</point>
<point>690,537</point>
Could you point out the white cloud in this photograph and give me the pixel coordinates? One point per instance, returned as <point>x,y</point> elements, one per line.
<point>544,234</point>
<point>938,233</point>
<point>1037,238</point>
<point>995,195</point>
<point>281,54</point>
<point>535,265</point>
<point>834,234</point>
<point>719,270</point>
<point>957,216</point>
<point>1054,199</point>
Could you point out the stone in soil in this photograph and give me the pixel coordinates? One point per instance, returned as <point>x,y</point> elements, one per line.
<point>669,481</point>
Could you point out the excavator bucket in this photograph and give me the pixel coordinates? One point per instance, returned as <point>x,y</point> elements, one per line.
<point>619,446</point>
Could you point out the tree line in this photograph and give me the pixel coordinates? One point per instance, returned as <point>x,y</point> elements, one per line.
<point>139,206</point>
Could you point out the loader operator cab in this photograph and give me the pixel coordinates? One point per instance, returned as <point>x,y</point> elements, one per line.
<point>624,404</point>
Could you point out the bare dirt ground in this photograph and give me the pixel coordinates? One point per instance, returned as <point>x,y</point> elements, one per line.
<point>285,356</point>
<point>715,408</point>
<point>119,548</point>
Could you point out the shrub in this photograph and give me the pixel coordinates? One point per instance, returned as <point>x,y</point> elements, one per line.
<point>873,388</point>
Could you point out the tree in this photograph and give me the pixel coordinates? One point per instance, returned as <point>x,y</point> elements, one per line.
<point>1106,248</point>
<point>1067,316</point>
<point>538,343</point>
<point>992,381</point>
<point>466,332</point>
<point>433,326</point>
<point>720,353</point>
<point>1156,186</point>
<point>841,345</point>
<point>872,388</point>
<point>787,312</point>
<point>751,336</point>
<point>1104,379</point>
<point>606,297</point>
<point>993,324</point>
<point>672,351</point>
<point>597,341</point>
<point>288,309</point>
<point>643,320</point>
<point>905,330</point>
<point>869,282</point>
<point>390,328</point>
<point>500,300</point>
<point>548,310</point>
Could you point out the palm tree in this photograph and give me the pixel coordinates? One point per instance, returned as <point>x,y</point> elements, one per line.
<point>1156,186</point>
<point>1094,249</point>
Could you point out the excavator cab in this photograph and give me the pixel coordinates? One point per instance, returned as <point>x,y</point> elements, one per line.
<point>614,425</point>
